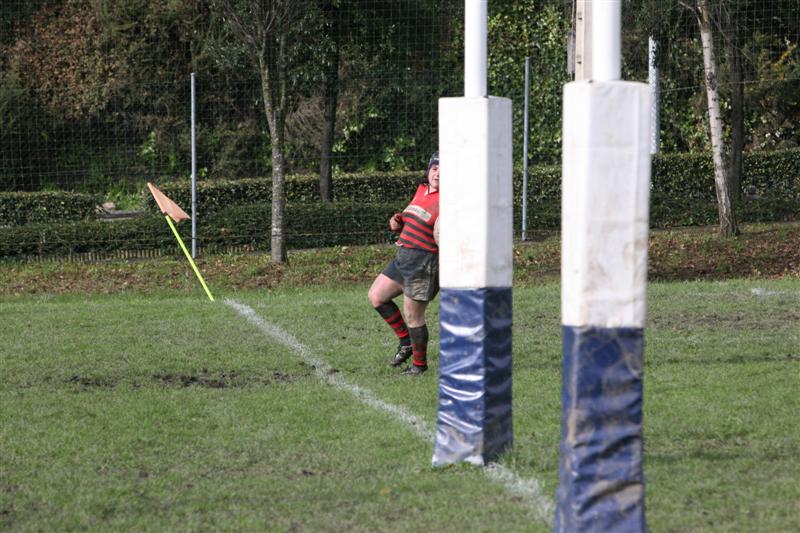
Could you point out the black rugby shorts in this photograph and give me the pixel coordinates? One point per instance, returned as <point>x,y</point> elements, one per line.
<point>417,271</point>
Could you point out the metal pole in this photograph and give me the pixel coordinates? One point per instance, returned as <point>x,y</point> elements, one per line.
<point>475,47</point>
<point>525,151</point>
<point>606,40</point>
<point>653,81</point>
<point>194,176</point>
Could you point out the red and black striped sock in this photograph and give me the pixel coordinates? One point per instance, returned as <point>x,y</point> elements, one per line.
<point>391,314</point>
<point>419,344</point>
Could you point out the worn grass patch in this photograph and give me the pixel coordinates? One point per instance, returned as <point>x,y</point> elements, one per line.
<point>164,411</point>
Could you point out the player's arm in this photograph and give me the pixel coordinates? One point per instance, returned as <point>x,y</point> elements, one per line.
<point>396,222</point>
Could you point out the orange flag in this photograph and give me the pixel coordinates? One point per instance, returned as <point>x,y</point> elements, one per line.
<point>167,206</point>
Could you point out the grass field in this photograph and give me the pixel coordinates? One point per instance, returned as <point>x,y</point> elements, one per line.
<point>163,411</point>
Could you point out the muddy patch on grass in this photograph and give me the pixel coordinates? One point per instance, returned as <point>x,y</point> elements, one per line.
<point>92,382</point>
<point>211,380</point>
<point>202,379</point>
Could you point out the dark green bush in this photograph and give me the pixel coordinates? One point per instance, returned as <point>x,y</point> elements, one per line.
<point>772,174</point>
<point>667,212</point>
<point>316,225</point>
<point>18,208</point>
<point>213,196</point>
<point>238,212</point>
<point>683,191</point>
<point>309,225</point>
<point>682,178</point>
<point>688,176</point>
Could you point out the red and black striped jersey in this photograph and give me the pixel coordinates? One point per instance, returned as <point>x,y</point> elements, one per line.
<point>418,220</point>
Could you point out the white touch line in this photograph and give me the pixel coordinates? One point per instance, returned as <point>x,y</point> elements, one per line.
<point>758,291</point>
<point>324,371</point>
<point>529,489</point>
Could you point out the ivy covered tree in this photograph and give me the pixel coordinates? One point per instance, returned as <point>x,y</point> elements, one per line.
<point>536,29</point>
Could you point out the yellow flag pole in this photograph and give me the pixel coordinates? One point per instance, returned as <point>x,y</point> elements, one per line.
<point>189,257</point>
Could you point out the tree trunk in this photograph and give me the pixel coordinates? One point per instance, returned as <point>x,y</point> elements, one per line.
<point>727,222</point>
<point>326,147</point>
<point>737,112</point>
<point>271,89</point>
<point>330,98</point>
<point>278,243</point>
<point>263,27</point>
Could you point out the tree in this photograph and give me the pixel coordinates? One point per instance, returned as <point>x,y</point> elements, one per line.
<point>329,100</point>
<point>536,29</point>
<point>734,51</point>
<point>265,27</point>
<point>62,56</point>
<point>664,23</point>
<point>727,221</point>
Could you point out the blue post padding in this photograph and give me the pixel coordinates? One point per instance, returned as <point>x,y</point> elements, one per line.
<point>601,476</point>
<point>474,419</point>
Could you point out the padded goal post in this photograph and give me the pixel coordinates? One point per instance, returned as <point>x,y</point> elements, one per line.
<point>474,421</point>
<point>604,217</point>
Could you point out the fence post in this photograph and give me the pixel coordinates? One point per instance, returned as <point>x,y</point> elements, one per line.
<point>525,151</point>
<point>194,175</point>
<point>653,82</point>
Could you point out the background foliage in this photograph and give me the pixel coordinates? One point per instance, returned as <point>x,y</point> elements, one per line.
<point>236,213</point>
<point>94,98</point>
<point>96,94</point>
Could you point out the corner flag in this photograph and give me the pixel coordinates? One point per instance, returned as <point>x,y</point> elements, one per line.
<point>174,212</point>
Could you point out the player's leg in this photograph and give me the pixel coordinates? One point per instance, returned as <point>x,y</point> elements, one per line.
<point>381,295</point>
<point>422,285</point>
<point>418,331</point>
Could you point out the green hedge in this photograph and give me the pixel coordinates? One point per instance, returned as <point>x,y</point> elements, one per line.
<point>683,191</point>
<point>317,225</point>
<point>773,174</point>
<point>213,196</point>
<point>308,226</point>
<point>238,212</point>
<point>681,177</point>
<point>18,208</point>
<point>767,174</point>
<point>666,212</point>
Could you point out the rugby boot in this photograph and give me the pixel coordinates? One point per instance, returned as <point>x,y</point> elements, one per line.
<point>402,355</point>
<point>414,370</point>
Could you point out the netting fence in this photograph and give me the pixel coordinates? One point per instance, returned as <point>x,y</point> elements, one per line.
<point>95,102</point>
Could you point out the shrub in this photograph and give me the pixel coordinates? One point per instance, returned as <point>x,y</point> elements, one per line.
<point>234,213</point>
<point>309,225</point>
<point>18,208</point>
<point>213,196</point>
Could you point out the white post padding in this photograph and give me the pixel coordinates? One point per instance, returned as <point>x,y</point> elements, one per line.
<point>605,203</point>
<point>476,196</point>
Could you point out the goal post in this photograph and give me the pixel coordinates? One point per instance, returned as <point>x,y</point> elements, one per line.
<point>474,419</point>
<point>604,242</point>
